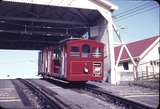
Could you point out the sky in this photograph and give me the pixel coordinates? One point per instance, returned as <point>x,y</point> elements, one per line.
<point>132,27</point>
<point>137,19</point>
<point>18,64</point>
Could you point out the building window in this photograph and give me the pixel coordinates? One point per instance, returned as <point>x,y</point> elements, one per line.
<point>125,66</point>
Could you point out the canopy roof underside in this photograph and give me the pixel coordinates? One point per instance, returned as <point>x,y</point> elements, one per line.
<point>34,26</point>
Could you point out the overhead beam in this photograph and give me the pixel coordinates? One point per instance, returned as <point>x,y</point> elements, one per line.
<point>24,45</point>
<point>30,41</point>
<point>38,33</point>
<point>42,20</point>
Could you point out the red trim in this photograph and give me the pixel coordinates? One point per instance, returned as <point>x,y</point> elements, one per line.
<point>136,48</point>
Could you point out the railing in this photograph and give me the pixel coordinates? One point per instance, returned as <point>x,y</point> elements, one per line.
<point>147,70</point>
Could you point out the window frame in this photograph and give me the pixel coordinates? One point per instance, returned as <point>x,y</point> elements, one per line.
<point>85,54</point>
<point>126,65</point>
<point>72,53</point>
<point>100,53</point>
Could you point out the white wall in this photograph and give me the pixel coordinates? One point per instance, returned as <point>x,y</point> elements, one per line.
<point>152,55</point>
<point>120,66</point>
<point>125,75</point>
<point>143,65</point>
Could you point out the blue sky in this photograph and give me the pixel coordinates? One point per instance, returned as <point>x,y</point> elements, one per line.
<point>144,24</point>
<point>20,63</point>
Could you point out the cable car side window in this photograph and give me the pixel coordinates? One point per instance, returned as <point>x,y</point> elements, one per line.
<point>58,54</point>
<point>75,51</point>
<point>85,51</point>
<point>96,53</point>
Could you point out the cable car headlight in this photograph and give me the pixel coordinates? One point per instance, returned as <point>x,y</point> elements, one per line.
<point>86,70</point>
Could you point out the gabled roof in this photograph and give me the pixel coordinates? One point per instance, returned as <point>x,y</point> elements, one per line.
<point>136,48</point>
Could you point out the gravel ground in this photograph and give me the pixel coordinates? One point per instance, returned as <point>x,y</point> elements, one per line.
<point>8,95</point>
<point>35,103</point>
<point>136,93</point>
<point>83,100</point>
<point>153,84</point>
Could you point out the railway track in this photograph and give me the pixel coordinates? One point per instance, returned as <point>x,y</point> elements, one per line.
<point>109,97</point>
<point>104,95</point>
<point>49,98</point>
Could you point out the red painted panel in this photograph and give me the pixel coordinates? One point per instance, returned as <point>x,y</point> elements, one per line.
<point>76,64</point>
<point>77,67</point>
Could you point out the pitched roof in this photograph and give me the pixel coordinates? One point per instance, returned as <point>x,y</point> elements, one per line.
<point>136,48</point>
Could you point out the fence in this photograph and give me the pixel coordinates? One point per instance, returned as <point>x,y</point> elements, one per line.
<point>147,70</point>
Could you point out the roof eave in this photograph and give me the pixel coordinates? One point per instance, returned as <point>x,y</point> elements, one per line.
<point>127,59</point>
<point>108,4</point>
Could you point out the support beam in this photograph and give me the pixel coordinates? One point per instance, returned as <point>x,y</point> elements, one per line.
<point>58,34</point>
<point>42,20</point>
<point>119,56</point>
<point>117,32</point>
<point>134,63</point>
<point>108,17</point>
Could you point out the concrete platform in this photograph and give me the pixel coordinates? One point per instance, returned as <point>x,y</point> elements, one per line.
<point>8,95</point>
<point>140,94</point>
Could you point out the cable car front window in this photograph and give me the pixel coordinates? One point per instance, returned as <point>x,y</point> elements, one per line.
<point>85,51</point>
<point>75,51</point>
<point>96,53</point>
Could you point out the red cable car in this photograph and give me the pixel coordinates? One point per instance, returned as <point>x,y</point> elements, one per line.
<point>73,60</point>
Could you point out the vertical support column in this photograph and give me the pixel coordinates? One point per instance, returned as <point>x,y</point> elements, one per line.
<point>108,16</point>
<point>111,51</point>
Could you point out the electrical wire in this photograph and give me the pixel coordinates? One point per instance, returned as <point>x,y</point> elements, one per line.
<point>132,9</point>
<point>136,12</point>
<point>129,16</point>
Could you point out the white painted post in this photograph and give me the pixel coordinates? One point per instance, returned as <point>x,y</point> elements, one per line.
<point>108,17</point>
<point>119,56</point>
<point>111,51</point>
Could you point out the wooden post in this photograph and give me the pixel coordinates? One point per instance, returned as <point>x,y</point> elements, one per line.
<point>142,75</point>
<point>153,70</point>
<point>136,73</point>
<point>147,72</point>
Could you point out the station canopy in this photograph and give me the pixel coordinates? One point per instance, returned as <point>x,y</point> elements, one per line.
<point>33,25</point>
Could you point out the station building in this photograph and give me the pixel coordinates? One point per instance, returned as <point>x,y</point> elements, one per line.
<point>145,53</point>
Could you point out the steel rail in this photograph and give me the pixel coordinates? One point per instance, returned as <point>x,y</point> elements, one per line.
<point>51,99</point>
<point>108,96</point>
